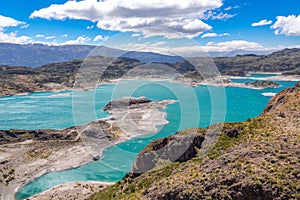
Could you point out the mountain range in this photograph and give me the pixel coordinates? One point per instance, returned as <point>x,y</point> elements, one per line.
<point>63,75</point>
<point>36,55</point>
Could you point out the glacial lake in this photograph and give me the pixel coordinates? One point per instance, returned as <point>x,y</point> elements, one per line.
<point>196,107</point>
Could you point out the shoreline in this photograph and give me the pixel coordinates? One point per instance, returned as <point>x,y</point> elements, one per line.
<point>121,140</point>
<point>277,77</point>
<point>127,135</point>
<point>68,190</point>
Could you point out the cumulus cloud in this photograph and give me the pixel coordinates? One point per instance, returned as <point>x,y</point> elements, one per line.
<point>232,45</point>
<point>231,8</point>
<point>9,22</point>
<point>90,27</point>
<point>39,36</point>
<point>221,47</point>
<point>207,35</point>
<point>79,40</point>
<point>196,50</point>
<point>136,16</point>
<point>136,35</point>
<point>289,25</point>
<point>218,15</point>
<point>100,38</point>
<point>49,37</point>
<point>263,22</point>
<point>11,37</point>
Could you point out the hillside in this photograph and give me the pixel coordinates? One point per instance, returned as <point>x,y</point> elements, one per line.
<point>59,76</point>
<point>256,159</point>
<point>36,55</point>
<point>281,61</point>
<point>62,75</point>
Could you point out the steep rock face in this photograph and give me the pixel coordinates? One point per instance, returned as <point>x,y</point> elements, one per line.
<point>180,147</point>
<point>257,159</point>
<point>282,97</point>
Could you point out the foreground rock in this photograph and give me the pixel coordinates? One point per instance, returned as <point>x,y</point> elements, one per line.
<point>27,154</point>
<point>256,159</point>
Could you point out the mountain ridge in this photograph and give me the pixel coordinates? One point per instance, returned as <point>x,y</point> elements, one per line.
<point>36,55</point>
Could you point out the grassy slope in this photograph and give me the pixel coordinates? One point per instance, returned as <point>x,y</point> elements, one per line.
<point>261,162</point>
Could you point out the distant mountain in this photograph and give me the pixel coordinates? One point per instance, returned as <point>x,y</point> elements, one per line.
<point>35,55</point>
<point>152,57</point>
<point>238,52</point>
<point>280,61</point>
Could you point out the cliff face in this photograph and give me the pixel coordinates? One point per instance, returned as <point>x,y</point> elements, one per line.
<point>257,159</point>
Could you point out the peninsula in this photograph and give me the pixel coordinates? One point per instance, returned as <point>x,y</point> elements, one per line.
<point>26,155</point>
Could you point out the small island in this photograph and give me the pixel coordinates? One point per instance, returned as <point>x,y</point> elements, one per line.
<point>262,84</point>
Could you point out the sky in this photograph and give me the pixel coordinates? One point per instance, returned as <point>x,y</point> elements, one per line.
<point>185,27</point>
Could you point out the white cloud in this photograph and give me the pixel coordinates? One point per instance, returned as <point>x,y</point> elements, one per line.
<point>9,22</point>
<point>158,47</point>
<point>50,37</point>
<point>79,40</point>
<point>136,35</point>
<point>232,45</point>
<point>137,16</point>
<point>100,38</point>
<point>11,37</point>
<point>231,8</point>
<point>64,35</point>
<point>289,25</point>
<point>39,36</point>
<point>221,47</point>
<point>218,15</point>
<point>224,34</point>
<point>207,35</point>
<point>223,16</point>
<point>158,44</point>
<point>25,26</point>
<point>197,50</point>
<point>90,27</point>
<point>263,22</point>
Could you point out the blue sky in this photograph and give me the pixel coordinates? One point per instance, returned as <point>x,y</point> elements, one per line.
<point>214,25</point>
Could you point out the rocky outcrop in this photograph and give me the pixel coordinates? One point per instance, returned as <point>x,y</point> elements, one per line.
<point>282,97</point>
<point>13,136</point>
<point>263,84</point>
<point>180,147</point>
<point>126,103</point>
